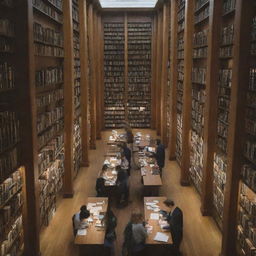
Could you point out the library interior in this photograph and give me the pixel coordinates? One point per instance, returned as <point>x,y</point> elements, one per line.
<point>127,127</point>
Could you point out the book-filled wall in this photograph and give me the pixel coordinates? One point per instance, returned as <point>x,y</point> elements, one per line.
<point>139,74</point>
<point>224,93</point>
<point>200,47</point>
<point>114,66</point>
<point>180,78</point>
<point>77,152</point>
<point>49,53</point>
<point>11,172</point>
<point>247,201</point>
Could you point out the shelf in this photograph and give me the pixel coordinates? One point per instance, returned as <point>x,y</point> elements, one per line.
<point>54,6</point>
<point>229,13</point>
<point>47,88</point>
<point>47,44</point>
<point>46,15</point>
<point>202,7</point>
<point>9,148</point>
<point>201,21</point>
<point>9,199</point>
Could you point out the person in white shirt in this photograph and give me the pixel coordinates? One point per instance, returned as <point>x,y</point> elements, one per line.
<point>79,219</point>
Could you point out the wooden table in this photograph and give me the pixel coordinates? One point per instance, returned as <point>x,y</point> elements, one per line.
<point>120,138</point>
<point>155,247</point>
<point>93,241</point>
<point>151,181</point>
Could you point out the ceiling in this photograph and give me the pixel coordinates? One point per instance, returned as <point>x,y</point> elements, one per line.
<point>128,3</point>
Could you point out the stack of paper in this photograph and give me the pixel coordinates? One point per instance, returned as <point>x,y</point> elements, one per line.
<point>81,232</point>
<point>154,216</point>
<point>161,237</point>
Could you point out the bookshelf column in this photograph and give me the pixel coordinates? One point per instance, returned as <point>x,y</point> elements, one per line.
<point>173,80</point>
<point>235,146</point>
<point>164,75</point>
<point>84,81</point>
<point>93,83</point>
<point>126,67</point>
<point>96,50</point>
<point>210,124</point>
<point>26,90</point>
<point>159,70</point>
<point>154,67</point>
<point>68,98</point>
<point>186,115</point>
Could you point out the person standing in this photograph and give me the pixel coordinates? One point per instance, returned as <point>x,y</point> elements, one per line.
<point>127,153</point>
<point>160,155</point>
<point>175,221</point>
<point>122,184</point>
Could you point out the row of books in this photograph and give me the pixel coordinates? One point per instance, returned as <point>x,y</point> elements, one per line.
<point>228,5</point>
<point>226,52</point>
<point>8,3</point>
<point>202,15</point>
<point>47,35</point>
<point>7,76</point>
<point>178,152</point>
<point>199,75</point>
<point>250,150</point>
<point>181,15</point>
<point>48,76</point>
<point>7,27</point>
<point>246,247</point>
<point>200,38</point>
<point>227,34</point>
<point>6,46</point>
<point>48,51</point>
<point>48,10</point>
<point>113,25</point>
<point>200,3</point>
<point>50,98</point>
<point>250,126</point>
<point>9,130</point>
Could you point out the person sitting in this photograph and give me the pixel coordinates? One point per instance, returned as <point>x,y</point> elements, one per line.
<point>129,137</point>
<point>127,153</point>
<point>135,235</point>
<point>100,183</point>
<point>110,237</point>
<point>122,186</point>
<point>79,219</point>
<point>160,155</point>
<point>175,221</point>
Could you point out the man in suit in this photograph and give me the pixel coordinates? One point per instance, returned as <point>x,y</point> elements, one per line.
<point>160,155</point>
<point>175,220</point>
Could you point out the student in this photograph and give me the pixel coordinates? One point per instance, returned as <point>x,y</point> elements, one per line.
<point>160,155</point>
<point>122,186</point>
<point>175,220</point>
<point>127,154</point>
<point>129,137</point>
<point>135,235</point>
<point>110,237</point>
<point>100,184</point>
<point>79,219</point>
<point>125,164</point>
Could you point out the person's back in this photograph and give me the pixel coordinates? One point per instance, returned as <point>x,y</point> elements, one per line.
<point>160,155</point>
<point>100,187</point>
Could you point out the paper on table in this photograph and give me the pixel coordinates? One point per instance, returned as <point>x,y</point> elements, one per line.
<point>161,237</point>
<point>154,216</point>
<point>81,232</point>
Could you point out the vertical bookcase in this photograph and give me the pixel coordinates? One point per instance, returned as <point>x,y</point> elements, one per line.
<point>77,147</point>
<point>139,74</point>
<point>199,70</point>
<point>49,56</point>
<point>11,172</point>
<point>180,75</point>
<point>247,196</point>
<point>114,74</point>
<point>223,101</point>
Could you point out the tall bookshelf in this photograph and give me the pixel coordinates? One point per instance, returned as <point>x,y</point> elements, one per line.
<point>114,77</point>
<point>77,147</point>
<point>180,76</point>
<point>224,93</point>
<point>139,74</point>
<point>11,172</point>
<point>199,69</point>
<point>49,56</point>
<point>246,233</point>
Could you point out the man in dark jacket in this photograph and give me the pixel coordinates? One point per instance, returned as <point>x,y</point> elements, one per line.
<point>175,220</point>
<point>128,155</point>
<point>160,155</point>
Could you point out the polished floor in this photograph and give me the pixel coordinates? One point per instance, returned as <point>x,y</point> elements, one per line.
<point>201,235</point>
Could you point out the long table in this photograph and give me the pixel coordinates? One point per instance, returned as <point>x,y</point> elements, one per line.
<point>155,247</point>
<point>93,241</point>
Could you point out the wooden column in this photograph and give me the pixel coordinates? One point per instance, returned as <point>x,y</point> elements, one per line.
<point>92,77</point>
<point>187,101</point>
<point>68,98</point>
<point>153,70</point>
<point>240,81</point>
<point>84,81</point>
<point>96,50</point>
<point>159,70</point>
<point>164,75</point>
<point>126,66</point>
<point>210,112</point>
<point>29,154</point>
<point>173,80</point>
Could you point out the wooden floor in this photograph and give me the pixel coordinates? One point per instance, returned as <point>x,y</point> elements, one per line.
<point>201,235</point>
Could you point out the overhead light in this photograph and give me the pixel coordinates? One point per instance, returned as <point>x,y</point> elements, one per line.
<point>128,3</point>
